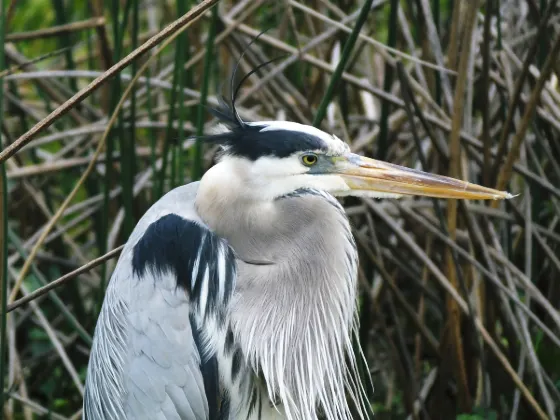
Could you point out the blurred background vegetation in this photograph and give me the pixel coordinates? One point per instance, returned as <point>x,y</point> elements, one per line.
<point>458,301</point>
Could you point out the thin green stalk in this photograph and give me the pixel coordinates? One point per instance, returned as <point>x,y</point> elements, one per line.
<point>109,150</point>
<point>152,132</point>
<point>115,19</point>
<point>170,118</point>
<point>499,46</point>
<point>499,26</point>
<point>486,140</point>
<point>128,149</point>
<point>185,79</point>
<point>176,108</point>
<point>3,230</point>
<point>92,186</point>
<point>437,18</point>
<point>173,173</point>
<point>387,83</point>
<point>183,113</point>
<point>543,50</point>
<point>176,100</point>
<point>124,21</point>
<point>208,64</point>
<point>345,56</point>
<point>126,140</point>
<point>89,46</point>
<point>65,41</point>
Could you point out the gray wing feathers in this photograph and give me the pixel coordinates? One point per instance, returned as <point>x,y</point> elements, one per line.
<point>145,362</point>
<point>164,378</point>
<point>104,385</point>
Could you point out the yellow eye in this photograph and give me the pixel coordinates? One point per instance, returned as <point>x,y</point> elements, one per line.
<point>309,159</point>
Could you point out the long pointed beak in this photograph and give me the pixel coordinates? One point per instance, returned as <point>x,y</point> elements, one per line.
<point>372,176</point>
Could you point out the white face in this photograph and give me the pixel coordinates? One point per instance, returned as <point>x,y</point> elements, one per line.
<point>274,177</point>
<point>269,177</point>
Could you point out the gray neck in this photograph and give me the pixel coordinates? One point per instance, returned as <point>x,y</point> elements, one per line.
<point>298,311</point>
<point>293,233</point>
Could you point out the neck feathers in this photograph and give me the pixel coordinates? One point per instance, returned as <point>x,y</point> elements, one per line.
<point>294,319</point>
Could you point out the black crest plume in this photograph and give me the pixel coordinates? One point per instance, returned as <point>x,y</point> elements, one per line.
<point>248,140</point>
<point>228,112</point>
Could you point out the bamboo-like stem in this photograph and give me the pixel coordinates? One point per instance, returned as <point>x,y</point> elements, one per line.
<point>453,313</point>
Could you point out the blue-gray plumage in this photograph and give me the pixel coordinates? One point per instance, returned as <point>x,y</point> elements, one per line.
<point>235,297</point>
<point>148,359</point>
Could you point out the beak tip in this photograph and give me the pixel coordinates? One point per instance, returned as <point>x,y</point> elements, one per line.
<point>503,195</point>
<point>509,196</point>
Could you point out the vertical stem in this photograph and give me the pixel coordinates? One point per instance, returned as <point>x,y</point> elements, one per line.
<point>184,80</point>
<point>173,173</point>
<point>345,56</point>
<point>387,83</point>
<point>486,167</point>
<point>109,149</point>
<point>153,136</point>
<point>486,141</point>
<point>170,118</point>
<point>3,229</point>
<point>124,21</point>
<point>543,45</point>
<point>128,149</point>
<point>65,41</point>
<point>437,19</point>
<point>454,314</point>
<point>455,33</point>
<point>208,61</point>
<point>499,25</point>
<point>126,139</point>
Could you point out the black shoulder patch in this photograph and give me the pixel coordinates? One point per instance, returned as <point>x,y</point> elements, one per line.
<point>252,143</point>
<point>193,254</point>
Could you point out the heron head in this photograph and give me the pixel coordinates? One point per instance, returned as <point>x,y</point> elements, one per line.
<point>276,158</point>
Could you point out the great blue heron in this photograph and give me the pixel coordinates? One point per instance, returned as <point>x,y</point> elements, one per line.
<point>234,297</point>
